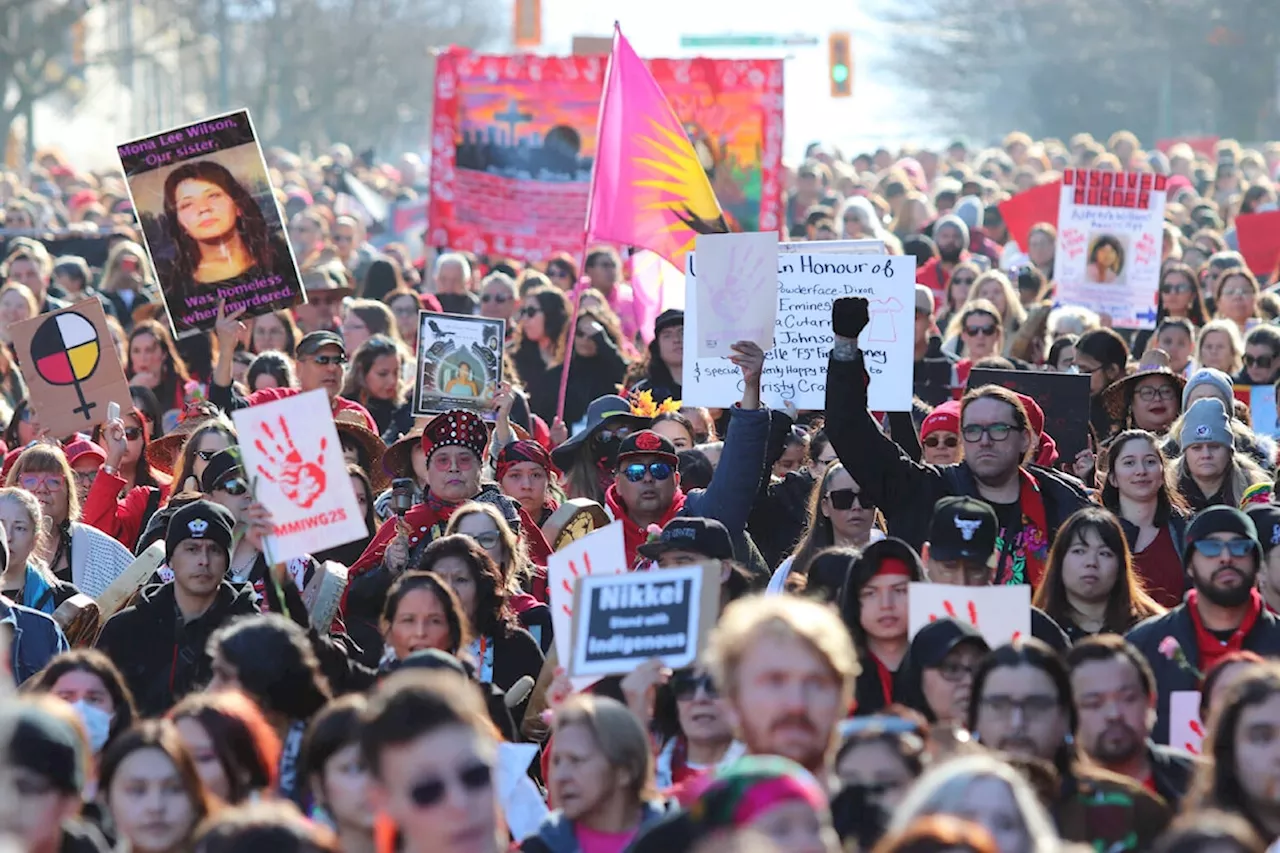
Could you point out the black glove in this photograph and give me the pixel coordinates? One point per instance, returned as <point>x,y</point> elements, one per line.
<point>849,316</point>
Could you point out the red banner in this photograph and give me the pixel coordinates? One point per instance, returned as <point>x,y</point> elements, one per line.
<point>514,140</point>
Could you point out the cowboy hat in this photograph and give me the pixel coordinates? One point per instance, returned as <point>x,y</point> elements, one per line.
<point>352,425</point>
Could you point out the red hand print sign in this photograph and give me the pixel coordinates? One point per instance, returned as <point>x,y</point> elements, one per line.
<point>1186,731</point>
<point>300,479</point>
<point>1001,613</point>
<point>601,552</point>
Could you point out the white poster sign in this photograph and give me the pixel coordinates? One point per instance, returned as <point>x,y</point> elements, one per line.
<point>1185,729</point>
<point>737,298</point>
<point>292,454</point>
<point>1001,613</point>
<point>600,552</point>
<point>1110,234</point>
<point>795,370</point>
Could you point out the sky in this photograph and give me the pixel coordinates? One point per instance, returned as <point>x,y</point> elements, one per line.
<point>881,111</point>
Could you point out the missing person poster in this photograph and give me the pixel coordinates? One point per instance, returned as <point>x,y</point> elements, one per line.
<point>621,621</point>
<point>210,221</point>
<point>459,363</point>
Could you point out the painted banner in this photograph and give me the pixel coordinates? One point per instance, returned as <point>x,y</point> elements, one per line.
<point>459,363</point>
<point>795,370</point>
<point>1110,234</point>
<point>292,453</point>
<point>210,221</point>
<point>514,142</point>
<point>738,291</point>
<point>1001,613</point>
<point>70,366</point>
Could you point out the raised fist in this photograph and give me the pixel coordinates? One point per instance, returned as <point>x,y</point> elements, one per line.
<point>849,316</point>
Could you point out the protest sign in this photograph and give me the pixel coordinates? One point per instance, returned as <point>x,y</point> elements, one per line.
<point>1185,729</point>
<point>70,365</point>
<point>602,552</point>
<point>1001,613</point>
<point>1261,400</point>
<point>523,808</point>
<point>1258,235</point>
<point>514,141</point>
<point>1110,235</point>
<point>795,370</point>
<point>738,291</point>
<point>293,456</point>
<point>459,363</point>
<point>621,621</point>
<point>1063,397</point>
<point>1029,207</point>
<point>210,221</point>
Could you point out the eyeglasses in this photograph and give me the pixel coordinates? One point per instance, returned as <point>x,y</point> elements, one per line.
<point>85,479</point>
<point>132,433</point>
<point>685,686</point>
<point>1214,547</point>
<point>1163,392</point>
<point>701,438</point>
<point>206,455</point>
<point>495,297</point>
<point>326,360</point>
<point>1236,291</point>
<point>948,442</point>
<point>1035,705</point>
<point>530,311</point>
<point>607,435</point>
<point>49,482</point>
<point>964,281</point>
<point>843,499</point>
<point>1263,361</point>
<point>996,432</point>
<point>234,486</point>
<point>487,539</point>
<point>954,672</point>
<point>658,470</point>
<point>1180,287</point>
<point>986,331</point>
<point>430,792</point>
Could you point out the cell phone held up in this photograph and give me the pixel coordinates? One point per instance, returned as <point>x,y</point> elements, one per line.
<point>401,495</point>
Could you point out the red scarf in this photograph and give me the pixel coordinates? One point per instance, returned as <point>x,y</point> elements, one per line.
<point>1211,648</point>
<point>1022,561</point>
<point>634,535</point>
<point>886,681</point>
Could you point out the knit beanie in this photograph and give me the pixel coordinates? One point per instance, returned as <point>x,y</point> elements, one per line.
<point>1219,519</point>
<point>1206,422</point>
<point>1220,382</point>
<point>199,520</point>
<point>952,219</point>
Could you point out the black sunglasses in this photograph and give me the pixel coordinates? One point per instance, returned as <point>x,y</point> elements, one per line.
<point>430,792</point>
<point>495,297</point>
<point>234,486</point>
<point>132,433</point>
<point>684,685</point>
<point>842,499</point>
<point>658,470</point>
<point>1263,361</point>
<point>949,442</point>
<point>206,455</point>
<point>530,311</point>
<point>326,360</point>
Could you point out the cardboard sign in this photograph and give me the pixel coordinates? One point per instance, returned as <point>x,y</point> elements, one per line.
<point>1185,729</point>
<point>1261,400</point>
<point>1001,613</point>
<point>795,370</point>
<point>1258,235</point>
<point>1064,398</point>
<point>1029,207</point>
<point>602,552</point>
<point>293,457</point>
<point>621,621</point>
<point>69,363</point>
<point>737,295</point>
<point>459,363</point>
<point>1110,236</point>
<point>210,221</point>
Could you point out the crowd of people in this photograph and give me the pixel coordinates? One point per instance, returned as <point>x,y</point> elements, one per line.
<point>177,691</point>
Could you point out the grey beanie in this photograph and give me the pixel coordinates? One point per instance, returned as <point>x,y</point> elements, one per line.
<point>951,219</point>
<point>1220,381</point>
<point>970,210</point>
<point>1206,422</point>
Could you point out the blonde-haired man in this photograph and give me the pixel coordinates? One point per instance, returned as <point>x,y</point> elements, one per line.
<point>786,668</point>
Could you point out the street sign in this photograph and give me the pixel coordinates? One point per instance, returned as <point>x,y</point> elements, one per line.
<point>748,40</point>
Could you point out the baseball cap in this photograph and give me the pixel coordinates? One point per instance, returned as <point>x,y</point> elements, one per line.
<point>924,299</point>
<point>962,529</point>
<point>935,641</point>
<point>223,463</point>
<point>312,342</point>
<point>83,448</point>
<point>704,536</point>
<point>1266,518</point>
<point>44,744</point>
<point>646,442</point>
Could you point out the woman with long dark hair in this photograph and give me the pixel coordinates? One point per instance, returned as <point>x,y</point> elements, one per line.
<point>375,380</point>
<point>150,784</point>
<point>276,331</point>
<point>236,752</point>
<point>538,346</point>
<point>421,611</point>
<point>1089,585</point>
<point>661,371</point>
<point>598,364</point>
<point>88,681</point>
<point>336,775</point>
<point>154,363</point>
<point>837,516</point>
<point>874,609</point>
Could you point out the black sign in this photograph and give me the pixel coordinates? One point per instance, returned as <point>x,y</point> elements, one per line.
<point>1064,398</point>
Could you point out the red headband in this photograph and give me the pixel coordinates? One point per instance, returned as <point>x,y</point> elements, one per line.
<point>893,567</point>
<point>524,450</point>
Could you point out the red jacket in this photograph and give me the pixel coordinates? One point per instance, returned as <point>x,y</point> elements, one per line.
<point>119,517</point>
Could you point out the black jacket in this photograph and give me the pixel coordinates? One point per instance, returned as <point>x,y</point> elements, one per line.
<point>162,658</point>
<point>905,490</point>
<point>1171,771</point>
<point>589,378</point>
<point>1146,636</point>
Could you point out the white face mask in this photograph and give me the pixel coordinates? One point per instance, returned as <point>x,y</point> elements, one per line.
<point>97,723</point>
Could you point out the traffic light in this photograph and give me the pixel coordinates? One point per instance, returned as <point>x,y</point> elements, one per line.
<point>840,48</point>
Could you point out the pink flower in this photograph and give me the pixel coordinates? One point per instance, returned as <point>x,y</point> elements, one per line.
<point>1169,648</point>
<point>653,532</point>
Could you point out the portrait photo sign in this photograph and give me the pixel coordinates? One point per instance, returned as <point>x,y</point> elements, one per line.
<point>459,363</point>
<point>210,221</point>
<point>293,457</point>
<point>70,365</point>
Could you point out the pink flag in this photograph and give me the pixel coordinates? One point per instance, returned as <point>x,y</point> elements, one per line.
<point>648,188</point>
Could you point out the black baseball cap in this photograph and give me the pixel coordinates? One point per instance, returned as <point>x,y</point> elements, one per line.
<point>1266,518</point>
<point>221,464</point>
<point>313,342</point>
<point>936,640</point>
<point>963,529</point>
<point>704,536</point>
<point>646,442</point>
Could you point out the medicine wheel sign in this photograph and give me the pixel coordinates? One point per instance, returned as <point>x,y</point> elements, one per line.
<point>66,351</point>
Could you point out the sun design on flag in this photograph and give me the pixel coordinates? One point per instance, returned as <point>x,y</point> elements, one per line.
<point>675,182</point>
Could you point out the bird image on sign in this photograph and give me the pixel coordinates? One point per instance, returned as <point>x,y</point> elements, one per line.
<point>65,351</point>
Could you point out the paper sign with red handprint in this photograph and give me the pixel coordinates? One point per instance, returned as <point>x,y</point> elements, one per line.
<point>737,290</point>
<point>1001,613</point>
<point>292,454</point>
<point>601,552</point>
<point>1185,729</point>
